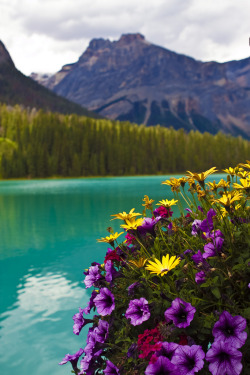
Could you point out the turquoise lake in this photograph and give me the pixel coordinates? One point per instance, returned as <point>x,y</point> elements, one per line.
<point>48,237</point>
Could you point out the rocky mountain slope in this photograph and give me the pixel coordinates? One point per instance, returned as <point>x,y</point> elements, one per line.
<point>132,79</point>
<point>16,88</point>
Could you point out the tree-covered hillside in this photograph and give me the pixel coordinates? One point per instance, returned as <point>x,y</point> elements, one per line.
<point>45,144</point>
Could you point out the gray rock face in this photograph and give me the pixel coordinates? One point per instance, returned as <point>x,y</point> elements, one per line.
<point>132,79</point>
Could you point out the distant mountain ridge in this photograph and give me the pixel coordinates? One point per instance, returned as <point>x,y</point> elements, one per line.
<point>16,88</point>
<point>135,80</point>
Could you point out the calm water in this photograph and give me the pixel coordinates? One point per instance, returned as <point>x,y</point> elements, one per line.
<point>48,237</point>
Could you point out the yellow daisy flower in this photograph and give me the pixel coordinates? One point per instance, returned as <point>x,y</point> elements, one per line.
<point>247,165</point>
<point>227,199</point>
<point>223,184</point>
<point>148,202</point>
<point>124,216</point>
<point>200,177</point>
<point>132,223</point>
<point>138,263</point>
<point>173,182</point>
<point>245,184</point>
<point>110,239</point>
<point>166,203</point>
<point>162,268</point>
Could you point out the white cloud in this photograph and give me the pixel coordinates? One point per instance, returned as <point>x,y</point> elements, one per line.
<point>43,35</point>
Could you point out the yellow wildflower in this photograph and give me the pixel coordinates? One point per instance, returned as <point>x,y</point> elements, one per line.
<point>166,203</point>
<point>173,182</point>
<point>124,216</point>
<point>213,186</point>
<point>227,199</point>
<point>200,177</point>
<point>148,202</point>
<point>242,173</point>
<point>223,184</point>
<point>245,184</point>
<point>162,268</point>
<point>110,239</point>
<point>138,263</point>
<point>231,171</point>
<point>247,165</point>
<point>132,223</point>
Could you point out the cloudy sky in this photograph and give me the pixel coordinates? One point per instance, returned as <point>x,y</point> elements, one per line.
<point>44,35</point>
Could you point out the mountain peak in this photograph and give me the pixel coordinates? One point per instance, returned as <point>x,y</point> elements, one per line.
<point>130,38</point>
<point>4,55</point>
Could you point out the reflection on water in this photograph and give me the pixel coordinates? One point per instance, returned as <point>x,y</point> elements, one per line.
<point>41,302</point>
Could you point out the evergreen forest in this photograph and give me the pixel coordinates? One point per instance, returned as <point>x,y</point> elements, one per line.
<point>36,144</point>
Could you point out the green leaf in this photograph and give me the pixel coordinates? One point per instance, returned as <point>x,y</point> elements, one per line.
<point>216,292</point>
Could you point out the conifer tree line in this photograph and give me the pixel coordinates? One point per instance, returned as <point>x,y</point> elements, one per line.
<point>38,144</point>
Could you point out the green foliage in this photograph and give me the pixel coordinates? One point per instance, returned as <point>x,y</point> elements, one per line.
<point>50,144</point>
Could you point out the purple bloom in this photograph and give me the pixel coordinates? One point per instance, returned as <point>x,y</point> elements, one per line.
<point>200,277</point>
<point>162,366</point>
<point>93,276</point>
<point>230,329</point>
<point>180,312</point>
<point>167,350</point>
<point>104,302</point>
<point>213,248</point>
<point>196,227</point>
<point>224,359</point>
<point>207,225</point>
<point>111,369</point>
<point>79,321</point>
<point>73,359</point>
<point>90,363</point>
<point>91,304</point>
<point>148,226</point>
<point>111,272</point>
<point>138,311</point>
<point>101,332</point>
<point>189,359</point>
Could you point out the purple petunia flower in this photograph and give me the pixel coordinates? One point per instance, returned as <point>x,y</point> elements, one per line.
<point>162,366</point>
<point>213,248</point>
<point>111,272</point>
<point>93,276</point>
<point>167,350</point>
<point>207,225</point>
<point>200,277</point>
<point>138,311</point>
<point>189,359</point>
<point>111,369</point>
<point>90,362</point>
<point>91,304</point>
<point>180,312</point>
<point>148,225</point>
<point>224,359</point>
<point>104,302</point>
<point>230,329</point>
<point>101,332</point>
<point>196,227</point>
<point>132,350</point>
<point>72,358</point>
<point>79,321</point>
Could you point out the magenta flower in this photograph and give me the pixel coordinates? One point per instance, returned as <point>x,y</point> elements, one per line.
<point>230,329</point>
<point>79,321</point>
<point>162,366</point>
<point>72,358</point>
<point>93,275</point>
<point>224,359</point>
<point>163,212</point>
<point>138,311</point>
<point>189,359</point>
<point>104,302</point>
<point>180,312</point>
<point>111,369</point>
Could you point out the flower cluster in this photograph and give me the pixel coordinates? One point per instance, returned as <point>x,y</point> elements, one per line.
<point>173,298</point>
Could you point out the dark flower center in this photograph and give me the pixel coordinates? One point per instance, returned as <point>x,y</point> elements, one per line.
<point>190,363</point>
<point>229,331</point>
<point>182,316</point>
<point>108,301</point>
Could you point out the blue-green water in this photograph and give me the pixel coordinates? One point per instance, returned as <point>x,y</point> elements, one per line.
<point>48,237</point>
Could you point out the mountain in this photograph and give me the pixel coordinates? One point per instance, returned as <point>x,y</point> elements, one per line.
<point>133,79</point>
<point>16,88</point>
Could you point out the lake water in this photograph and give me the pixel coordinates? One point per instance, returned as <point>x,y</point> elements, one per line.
<point>48,237</point>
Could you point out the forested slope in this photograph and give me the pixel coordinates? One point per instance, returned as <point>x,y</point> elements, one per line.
<point>39,144</point>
